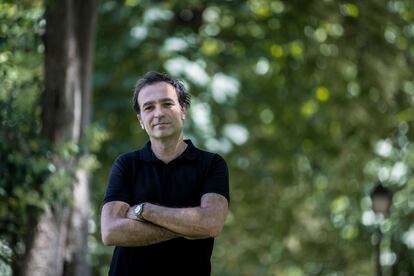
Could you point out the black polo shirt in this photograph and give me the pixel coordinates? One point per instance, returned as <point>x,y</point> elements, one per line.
<point>140,176</point>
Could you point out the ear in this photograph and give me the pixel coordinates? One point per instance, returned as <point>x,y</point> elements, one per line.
<point>140,121</point>
<point>184,113</point>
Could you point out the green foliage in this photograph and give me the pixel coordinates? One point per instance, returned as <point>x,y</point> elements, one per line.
<point>24,156</point>
<point>34,175</point>
<point>298,96</point>
<point>309,102</point>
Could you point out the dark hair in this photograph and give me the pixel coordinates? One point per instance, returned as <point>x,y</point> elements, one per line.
<point>184,98</point>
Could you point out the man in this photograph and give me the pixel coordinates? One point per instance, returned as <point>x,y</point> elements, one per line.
<point>166,202</point>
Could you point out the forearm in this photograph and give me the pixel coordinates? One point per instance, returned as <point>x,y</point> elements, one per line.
<point>119,229</point>
<point>127,232</point>
<point>195,222</point>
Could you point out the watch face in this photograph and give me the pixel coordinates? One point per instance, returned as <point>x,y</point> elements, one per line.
<point>137,210</point>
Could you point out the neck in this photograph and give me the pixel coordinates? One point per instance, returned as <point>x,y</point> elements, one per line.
<point>168,149</point>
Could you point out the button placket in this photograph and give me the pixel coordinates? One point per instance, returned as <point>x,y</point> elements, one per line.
<point>164,183</point>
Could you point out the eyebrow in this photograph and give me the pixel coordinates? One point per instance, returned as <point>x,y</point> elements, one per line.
<point>163,100</point>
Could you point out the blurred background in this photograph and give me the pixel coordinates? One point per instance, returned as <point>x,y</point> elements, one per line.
<point>310,103</point>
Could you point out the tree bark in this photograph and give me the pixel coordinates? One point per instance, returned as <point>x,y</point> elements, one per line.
<point>60,237</point>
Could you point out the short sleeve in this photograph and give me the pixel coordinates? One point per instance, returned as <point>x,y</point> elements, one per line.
<point>118,188</point>
<point>217,180</point>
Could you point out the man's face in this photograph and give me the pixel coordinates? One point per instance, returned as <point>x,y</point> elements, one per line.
<point>160,111</point>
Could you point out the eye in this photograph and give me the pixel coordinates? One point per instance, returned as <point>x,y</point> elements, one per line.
<point>148,108</point>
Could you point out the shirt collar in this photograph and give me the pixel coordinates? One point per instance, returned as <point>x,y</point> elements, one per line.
<point>148,155</point>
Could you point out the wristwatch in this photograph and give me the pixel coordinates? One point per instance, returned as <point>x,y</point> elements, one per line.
<point>138,211</point>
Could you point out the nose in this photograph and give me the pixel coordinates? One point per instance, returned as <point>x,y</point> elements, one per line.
<point>158,112</point>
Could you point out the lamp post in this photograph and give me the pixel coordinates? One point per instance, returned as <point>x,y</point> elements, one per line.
<point>381,199</point>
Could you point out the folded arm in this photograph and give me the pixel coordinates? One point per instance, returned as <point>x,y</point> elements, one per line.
<point>204,221</point>
<point>118,229</point>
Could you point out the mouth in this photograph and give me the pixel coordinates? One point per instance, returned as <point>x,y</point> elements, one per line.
<point>160,124</point>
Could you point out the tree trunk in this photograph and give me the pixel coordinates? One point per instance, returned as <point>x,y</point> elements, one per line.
<point>59,244</point>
